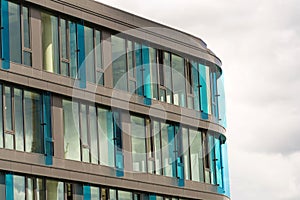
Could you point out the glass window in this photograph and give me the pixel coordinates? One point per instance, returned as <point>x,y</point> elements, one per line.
<point>89,54</point>
<point>130,54</point>
<point>119,63</point>
<point>26,27</point>
<point>50,44</point>
<point>205,91</point>
<point>157,147</point>
<point>197,173</point>
<point>8,109</point>
<point>40,189</point>
<point>122,195</point>
<point>19,187</point>
<point>138,131</point>
<point>168,149</point>
<point>15,41</point>
<point>63,38</point>
<point>71,130</point>
<point>84,134</point>
<point>168,77</point>
<point>55,190</point>
<point>18,105</point>
<point>99,64</point>
<point>93,135</point>
<point>185,153</point>
<point>112,194</point>
<point>105,129</point>
<point>29,189</point>
<point>1,117</point>
<point>139,69</point>
<point>178,80</point>
<point>153,71</point>
<point>33,129</point>
<point>221,101</point>
<point>73,49</point>
<point>195,85</point>
<point>95,193</point>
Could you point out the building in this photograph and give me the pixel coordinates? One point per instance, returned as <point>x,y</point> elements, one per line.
<point>98,103</point>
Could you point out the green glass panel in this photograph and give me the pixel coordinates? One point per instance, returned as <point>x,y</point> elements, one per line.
<point>26,28</point>
<point>89,54</point>
<point>19,132</point>
<point>55,190</point>
<point>8,109</point>
<point>178,80</point>
<point>27,58</point>
<point>119,63</point>
<point>63,38</point>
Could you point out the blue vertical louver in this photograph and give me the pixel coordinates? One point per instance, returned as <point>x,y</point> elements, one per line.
<point>81,56</point>
<point>146,74</point>
<point>225,169</point>
<point>203,92</point>
<point>9,181</point>
<point>219,173</point>
<point>118,145</point>
<point>86,192</point>
<point>152,197</point>
<point>212,159</point>
<point>5,49</point>
<point>48,142</point>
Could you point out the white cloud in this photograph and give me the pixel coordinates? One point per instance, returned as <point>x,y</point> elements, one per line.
<point>259,44</point>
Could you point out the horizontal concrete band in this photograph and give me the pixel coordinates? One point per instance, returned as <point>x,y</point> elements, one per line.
<point>61,85</point>
<point>29,164</point>
<point>133,25</point>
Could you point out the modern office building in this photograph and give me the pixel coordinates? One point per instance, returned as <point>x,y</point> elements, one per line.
<point>98,103</point>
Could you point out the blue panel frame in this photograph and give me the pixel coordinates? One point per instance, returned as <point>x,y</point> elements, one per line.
<point>5,48</point>
<point>48,142</point>
<point>81,56</point>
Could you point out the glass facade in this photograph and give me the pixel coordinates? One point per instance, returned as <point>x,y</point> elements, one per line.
<point>92,133</point>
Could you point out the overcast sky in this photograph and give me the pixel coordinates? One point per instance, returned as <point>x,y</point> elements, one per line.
<point>258,42</point>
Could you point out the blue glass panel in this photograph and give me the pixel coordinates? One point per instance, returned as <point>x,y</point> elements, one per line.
<point>152,197</point>
<point>146,74</point>
<point>9,187</point>
<point>218,163</point>
<point>48,143</point>
<point>86,192</point>
<point>225,169</point>
<point>118,145</point>
<point>5,51</point>
<point>81,56</point>
<point>203,92</point>
<point>139,69</point>
<point>221,101</point>
<point>171,141</point>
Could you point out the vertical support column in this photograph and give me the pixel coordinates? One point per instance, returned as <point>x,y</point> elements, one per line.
<point>57,127</point>
<point>9,187</point>
<point>107,59</point>
<point>36,25</point>
<point>5,49</point>
<point>48,142</point>
<point>81,56</point>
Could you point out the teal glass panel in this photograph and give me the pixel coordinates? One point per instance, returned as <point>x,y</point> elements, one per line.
<point>5,35</point>
<point>211,148</point>
<point>152,197</point>
<point>86,192</point>
<point>29,189</point>
<point>26,28</point>
<point>119,63</point>
<point>168,150</point>
<point>139,69</point>
<point>106,142</point>
<point>218,163</point>
<point>205,93</point>
<point>122,195</point>
<point>9,183</point>
<point>154,76</point>
<point>196,153</point>
<point>15,41</point>
<point>73,50</point>
<point>19,131</point>
<point>138,142</point>
<point>50,45</point>
<point>146,71</point>
<point>55,190</point>
<point>221,101</point>
<point>179,94</point>
<point>225,169</point>
<point>118,145</point>
<point>33,115</point>
<point>71,130</point>
<point>89,54</point>
<point>48,142</point>
<point>195,85</point>
<point>8,109</point>
<point>19,187</point>
<point>84,134</point>
<point>1,118</point>
<point>81,56</point>
<point>93,135</point>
